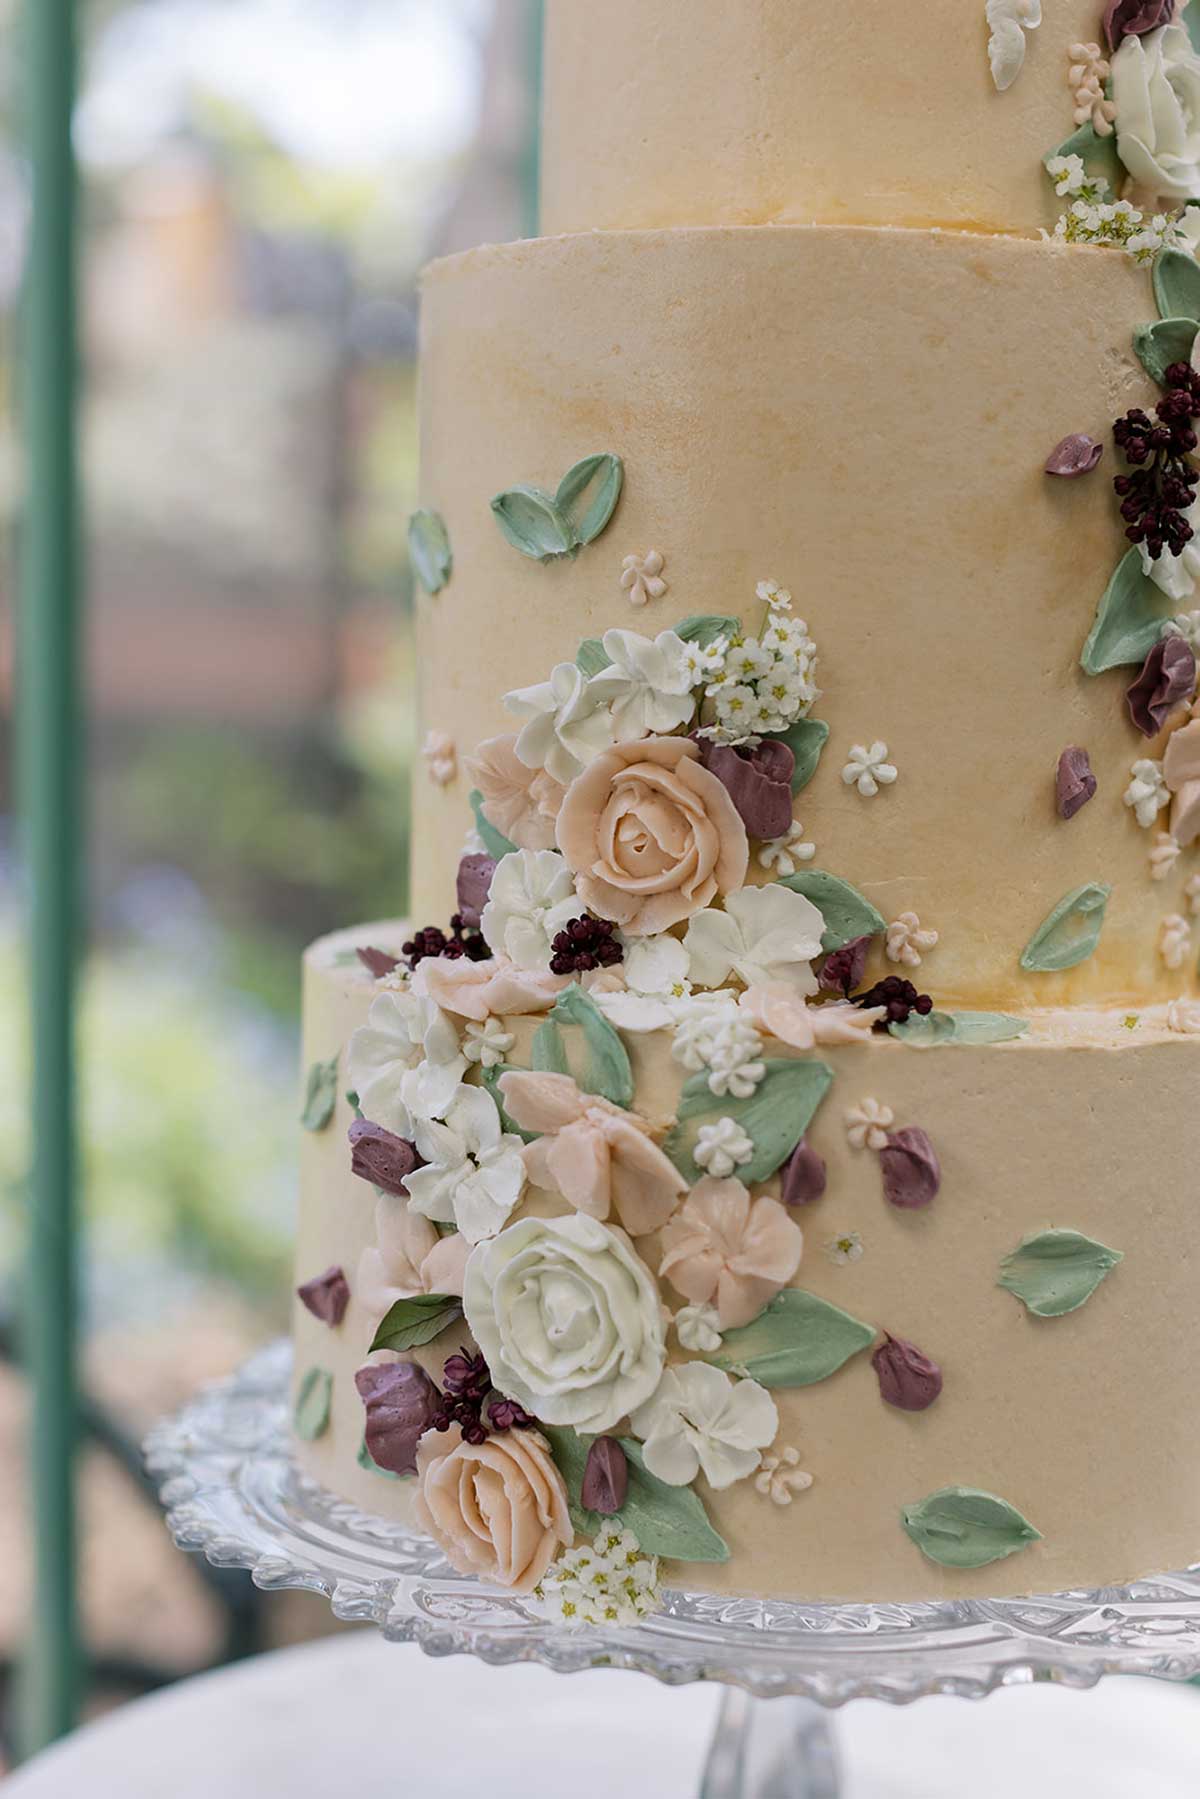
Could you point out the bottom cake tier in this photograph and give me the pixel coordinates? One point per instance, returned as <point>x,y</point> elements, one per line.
<point>982,1359</point>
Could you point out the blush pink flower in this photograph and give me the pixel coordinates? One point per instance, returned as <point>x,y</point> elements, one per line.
<point>408,1257</point>
<point>498,1509</point>
<point>781,1011</point>
<point>482,990</point>
<point>599,1158</point>
<point>652,836</point>
<point>520,802</point>
<point>726,1249</point>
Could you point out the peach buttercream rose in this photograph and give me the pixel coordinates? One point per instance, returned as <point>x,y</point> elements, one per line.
<point>726,1249</point>
<point>498,1509</point>
<point>600,1158</point>
<point>520,802</point>
<point>651,835</point>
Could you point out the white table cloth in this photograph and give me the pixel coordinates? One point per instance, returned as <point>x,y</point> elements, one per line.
<point>353,1717</point>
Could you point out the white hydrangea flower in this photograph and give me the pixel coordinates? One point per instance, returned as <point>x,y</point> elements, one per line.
<point>773,595</point>
<point>1175,940</point>
<point>1164,856</point>
<point>907,942</point>
<point>656,988</point>
<point>487,1043</point>
<point>765,934</point>
<point>475,1171</point>
<point>723,1147</point>
<point>642,578</point>
<point>1009,20</point>
<point>698,1329</point>
<point>781,1477</point>
<point>532,897</point>
<point>785,854</point>
<point>647,690</point>
<point>842,1251</point>
<point>406,1058</point>
<point>1187,626</point>
<point>701,1420</point>
<point>868,769</point>
<point>567,726</point>
<point>1147,792</point>
<point>612,1582</point>
<point>868,1124</point>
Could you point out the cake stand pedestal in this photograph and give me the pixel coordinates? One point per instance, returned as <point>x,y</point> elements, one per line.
<point>232,1489</point>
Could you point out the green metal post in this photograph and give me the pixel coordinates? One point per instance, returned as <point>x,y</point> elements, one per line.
<point>531,172</point>
<point>49,748</point>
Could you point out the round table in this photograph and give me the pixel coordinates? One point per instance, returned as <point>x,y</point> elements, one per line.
<point>355,1714</point>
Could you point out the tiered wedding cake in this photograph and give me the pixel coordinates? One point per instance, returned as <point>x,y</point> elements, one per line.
<point>810,1206</point>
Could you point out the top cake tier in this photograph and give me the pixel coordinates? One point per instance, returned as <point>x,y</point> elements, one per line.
<point>752,112</point>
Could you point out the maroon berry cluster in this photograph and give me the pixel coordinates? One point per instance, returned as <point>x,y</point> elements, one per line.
<point>467,1392</point>
<point>585,944</point>
<point>1162,488</point>
<point>900,999</point>
<point>461,940</point>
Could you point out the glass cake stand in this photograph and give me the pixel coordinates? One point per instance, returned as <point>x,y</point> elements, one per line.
<point>232,1490</point>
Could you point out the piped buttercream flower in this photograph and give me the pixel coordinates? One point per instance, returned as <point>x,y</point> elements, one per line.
<point>722,1147</point>
<point>474,1170</point>
<point>907,942</point>
<point>532,898</point>
<point>1156,94</point>
<point>1088,71</point>
<point>781,1477</point>
<point>702,1421</point>
<point>1009,20</point>
<point>498,1509</point>
<point>723,1247</point>
<point>1183,1016</point>
<point>785,1014</point>
<point>1175,940</point>
<point>642,578</point>
<point>566,725</point>
<point>868,769</point>
<point>408,1257</point>
<point>647,689</point>
<point>479,990</point>
<point>441,758</point>
<point>1147,792</point>
<point>406,1057</point>
<point>868,1124</point>
<point>656,987</point>
<point>785,854</point>
<point>698,1329</point>
<point>773,595</point>
<point>1164,856</point>
<point>612,1582</point>
<point>487,1042</point>
<point>652,836</point>
<point>601,1159</point>
<point>520,802</point>
<point>764,935</point>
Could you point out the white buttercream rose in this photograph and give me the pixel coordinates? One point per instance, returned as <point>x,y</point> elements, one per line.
<point>1156,91</point>
<point>569,1319</point>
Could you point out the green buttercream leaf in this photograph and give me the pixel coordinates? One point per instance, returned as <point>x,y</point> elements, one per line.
<point>549,1051</point>
<point>960,1527</point>
<point>494,842</point>
<point>847,913</point>
<point>1057,1272</point>
<point>366,1460</point>
<point>490,1078</point>
<point>959,1027</point>
<point>667,1521</point>
<point>1071,933</point>
<point>532,522</point>
<point>705,627</point>
<point>314,1398</point>
<point>587,495</point>
<point>320,1095</point>
<point>796,1342</point>
<point>429,550</point>
<point>806,739</point>
<point>1098,155</point>
<point>1159,345</point>
<point>1191,18</point>
<point>412,1322</point>
<point>607,1070</point>
<point>775,1117</point>
<point>1177,285</point>
<point>592,657</point>
<point>1129,620</point>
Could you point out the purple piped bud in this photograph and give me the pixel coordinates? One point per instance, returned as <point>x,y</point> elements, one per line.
<point>378,962</point>
<point>1074,782</point>
<point>326,1296</point>
<point>381,1157</point>
<point>1075,455</point>
<point>605,1477</point>
<point>474,884</point>
<point>401,1403</point>
<point>1134,18</point>
<point>1168,678</point>
<point>907,1378</point>
<point>805,1176</point>
<point>758,781</point>
<point>844,969</point>
<point>912,1173</point>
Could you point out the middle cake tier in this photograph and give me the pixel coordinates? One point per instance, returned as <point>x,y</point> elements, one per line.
<point>863,416</point>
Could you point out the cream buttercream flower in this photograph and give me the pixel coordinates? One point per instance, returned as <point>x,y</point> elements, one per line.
<point>487,1042</point>
<point>480,989</point>
<point>907,942</point>
<point>701,1421</point>
<point>1175,940</point>
<point>842,1251</point>
<point>868,1124</point>
<point>698,1329</point>
<point>1164,856</point>
<point>1183,1016</point>
<point>722,1245</point>
<point>781,1477</point>
<point>1088,71</point>
<point>520,802</point>
<point>600,1158</point>
<point>498,1509</point>
<point>642,578</point>
<point>611,1582</point>
<point>652,836</point>
<point>1147,792</point>
<point>441,758</point>
<point>408,1257</point>
<point>567,724</point>
<point>783,1012</point>
<point>569,1318</point>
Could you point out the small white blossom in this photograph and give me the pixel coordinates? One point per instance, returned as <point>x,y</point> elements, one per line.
<point>785,854</point>
<point>844,1250</point>
<point>1164,856</point>
<point>699,1025</point>
<point>1192,890</point>
<point>734,1058</point>
<point>781,1477</point>
<point>1175,940</point>
<point>867,1125</point>
<point>698,1329</point>
<point>1147,792</point>
<point>441,758</point>
<point>705,662</point>
<point>907,942</point>
<point>773,595</point>
<point>641,578</point>
<point>702,1421</point>
<point>869,769</point>
<point>1187,626</point>
<point>1068,175</point>
<point>1183,1015</point>
<point>487,1043</point>
<point>722,1147</point>
<point>612,1582</point>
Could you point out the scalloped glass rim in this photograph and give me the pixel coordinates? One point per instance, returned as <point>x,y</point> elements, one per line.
<point>232,1490</point>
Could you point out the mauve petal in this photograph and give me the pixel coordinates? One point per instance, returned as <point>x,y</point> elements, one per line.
<point>1074,782</point>
<point>1168,678</point>
<point>912,1174</point>
<point>473,886</point>
<point>378,962</point>
<point>326,1296</point>
<point>759,782</point>
<point>401,1402</point>
<point>908,1379</point>
<point>1134,18</point>
<point>805,1176</point>
<point>605,1478</point>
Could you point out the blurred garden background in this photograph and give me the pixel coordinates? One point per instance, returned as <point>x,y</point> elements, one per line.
<point>262,181</point>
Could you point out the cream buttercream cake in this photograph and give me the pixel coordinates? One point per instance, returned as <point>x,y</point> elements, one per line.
<point>765,1164</point>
